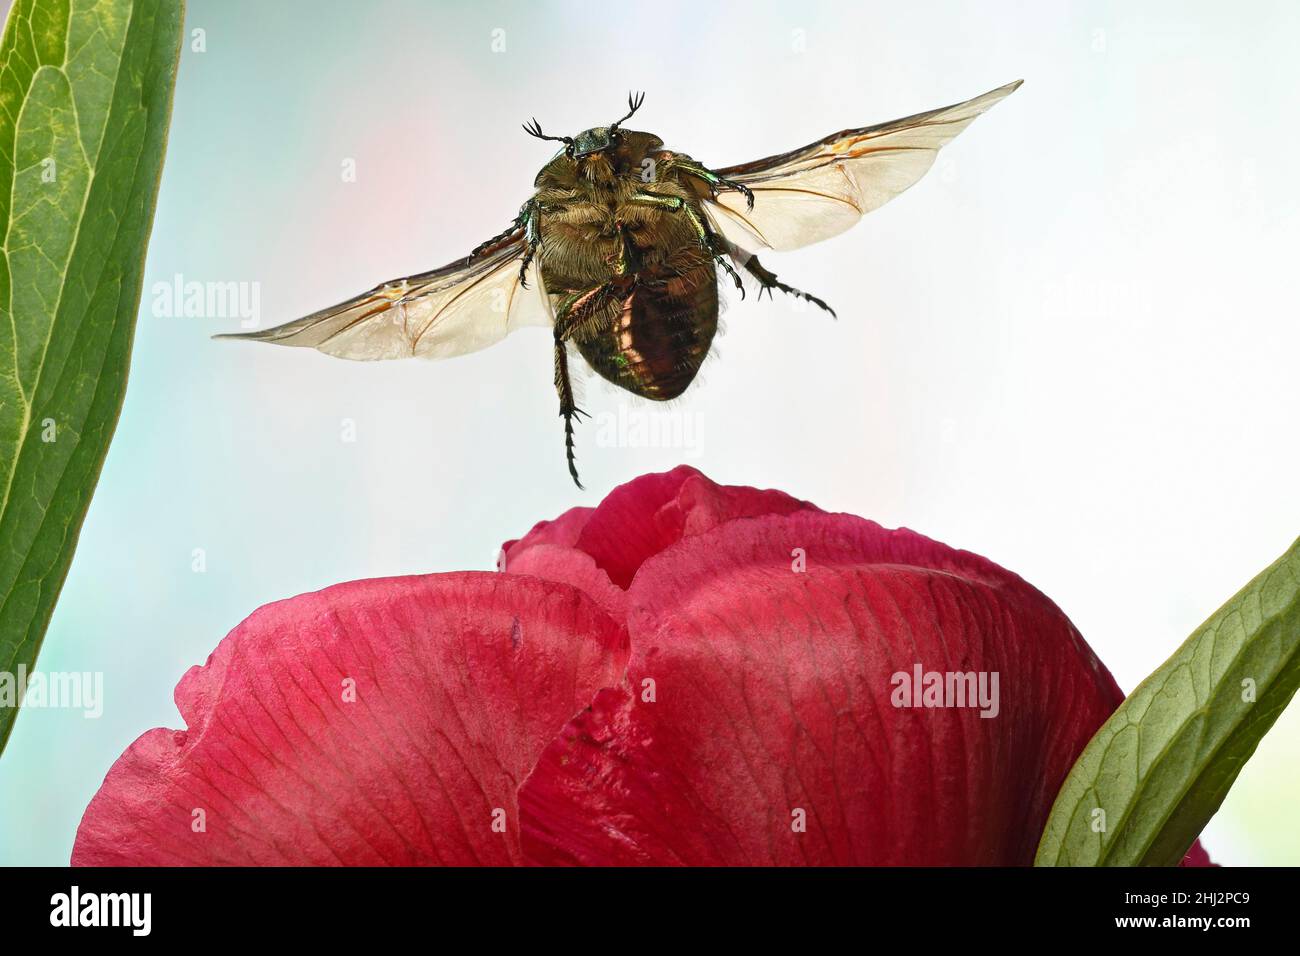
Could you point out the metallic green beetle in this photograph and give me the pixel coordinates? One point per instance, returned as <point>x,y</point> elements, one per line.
<point>621,247</point>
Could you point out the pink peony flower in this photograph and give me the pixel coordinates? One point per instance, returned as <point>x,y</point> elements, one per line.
<point>687,674</point>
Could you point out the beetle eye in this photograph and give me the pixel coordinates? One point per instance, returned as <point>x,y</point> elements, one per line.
<point>568,151</point>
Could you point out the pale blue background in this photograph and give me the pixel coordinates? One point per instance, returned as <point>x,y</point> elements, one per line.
<point>1071,348</point>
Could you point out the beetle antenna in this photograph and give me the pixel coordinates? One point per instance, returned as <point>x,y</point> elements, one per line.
<point>634,102</point>
<point>535,129</point>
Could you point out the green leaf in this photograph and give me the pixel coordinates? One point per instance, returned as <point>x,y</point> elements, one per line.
<point>1161,765</point>
<point>85,99</point>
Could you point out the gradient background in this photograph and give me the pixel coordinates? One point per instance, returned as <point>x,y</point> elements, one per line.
<point>1072,347</point>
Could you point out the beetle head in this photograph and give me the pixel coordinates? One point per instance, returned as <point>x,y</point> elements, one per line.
<point>595,140</point>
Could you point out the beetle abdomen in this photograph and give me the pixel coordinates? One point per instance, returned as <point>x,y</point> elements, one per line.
<point>651,336</point>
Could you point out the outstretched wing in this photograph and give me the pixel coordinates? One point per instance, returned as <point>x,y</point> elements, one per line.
<point>816,192</point>
<point>462,307</point>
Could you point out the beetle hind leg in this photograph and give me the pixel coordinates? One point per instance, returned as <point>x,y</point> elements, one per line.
<point>569,409</point>
<point>569,318</point>
<point>768,281</point>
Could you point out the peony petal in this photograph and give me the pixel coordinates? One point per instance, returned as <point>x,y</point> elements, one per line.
<point>772,708</point>
<point>639,519</point>
<point>599,549</point>
<point>459,679</point>
<point>1197,856</point>
<point>561,532</point>
<point>554,563</point>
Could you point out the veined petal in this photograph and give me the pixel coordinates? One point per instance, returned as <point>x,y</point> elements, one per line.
<point>761,724</point>
<point>376,722</point>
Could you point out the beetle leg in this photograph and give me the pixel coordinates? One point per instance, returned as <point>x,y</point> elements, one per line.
<point>568,408</point>
<point>716,182</point>
<point>533,235</point>
<point>768,281</point>
<point>525,211</point>
<point>568,319</point>
<point>710,242</point>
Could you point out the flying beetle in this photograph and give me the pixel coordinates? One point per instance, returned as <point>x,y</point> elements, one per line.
<point>623,246</point>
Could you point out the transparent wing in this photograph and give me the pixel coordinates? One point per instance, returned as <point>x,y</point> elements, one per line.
<point>462,307</point>
<point>816,192</point>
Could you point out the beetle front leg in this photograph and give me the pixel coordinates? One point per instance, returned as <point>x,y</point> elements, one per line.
<point>532,235</point>
<point>716,182</point>
<point>526,211</point>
